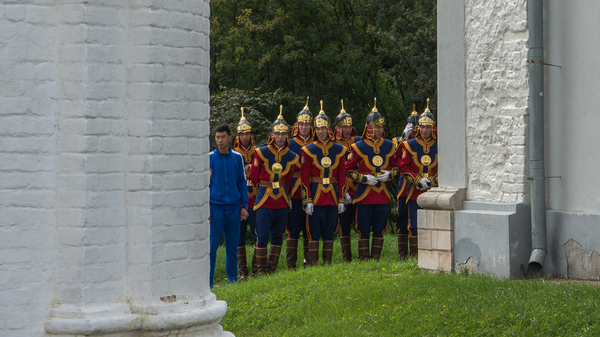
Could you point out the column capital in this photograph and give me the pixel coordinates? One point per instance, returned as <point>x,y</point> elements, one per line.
<point>446,198</point>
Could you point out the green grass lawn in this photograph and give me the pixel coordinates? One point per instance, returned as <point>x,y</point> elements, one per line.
<point>393,298</point>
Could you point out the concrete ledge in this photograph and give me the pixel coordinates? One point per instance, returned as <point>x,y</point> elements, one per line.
<point>448,198</point>
<point>72,320</point>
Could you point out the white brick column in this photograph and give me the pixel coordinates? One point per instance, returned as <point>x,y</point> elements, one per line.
<point>132,149</point>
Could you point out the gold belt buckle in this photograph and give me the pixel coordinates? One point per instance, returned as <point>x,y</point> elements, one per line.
<point>275,184</point>
<point>425,175</point>
<point>325,181</point>
<point>249,183</point>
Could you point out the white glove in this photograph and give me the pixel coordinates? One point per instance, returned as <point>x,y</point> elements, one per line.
<point>384,176</point>
<point>407,130</point>
<point>309,208</point>
<point>348,199</point>
<point>341,208</point>
<point>424,183</point>
<point>371,180</point>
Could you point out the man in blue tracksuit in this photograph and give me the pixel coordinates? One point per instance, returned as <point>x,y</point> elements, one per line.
<point>228,201</point>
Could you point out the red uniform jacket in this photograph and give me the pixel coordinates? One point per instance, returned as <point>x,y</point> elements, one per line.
<point>351,185</point>
<point>419,160</point>
<point>296,145</point>
<point>272,171</point>
<point>371,157</point>
<point>248,154</point>
<point>323,173</point>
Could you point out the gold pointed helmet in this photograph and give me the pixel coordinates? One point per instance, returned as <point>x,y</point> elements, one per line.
<point>243,125</point>
<point>280,125</point>
<point>322,120</point>
<point>374,118</point>
<point>305,116</point>
<point>426,117</point>
<point>414,117</point>
<point>343,118</point>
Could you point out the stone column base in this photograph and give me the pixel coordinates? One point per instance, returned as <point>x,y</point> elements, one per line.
<point>183,318</point>
<point>435,227</point>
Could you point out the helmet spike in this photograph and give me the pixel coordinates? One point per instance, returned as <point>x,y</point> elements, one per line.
<point>375,106</point>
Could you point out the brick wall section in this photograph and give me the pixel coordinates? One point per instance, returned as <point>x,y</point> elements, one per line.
<point>496,37</point>
<point>27,164</point>
<point>104,155</point>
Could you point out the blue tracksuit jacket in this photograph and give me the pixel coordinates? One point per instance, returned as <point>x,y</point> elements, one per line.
<point>228,186</point>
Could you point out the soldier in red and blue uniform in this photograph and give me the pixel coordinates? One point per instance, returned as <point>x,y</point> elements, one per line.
<point>244,145</point>
<point>372,164</point>
<point>323,187</point>
<point>345,134</point>
<point>302,134</point>
<point>272,169</point>
<point>410,132</point>
<point>419,169</point>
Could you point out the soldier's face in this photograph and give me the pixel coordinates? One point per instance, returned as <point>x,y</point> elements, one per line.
<point>280,138</point>
<point>245,138</point>
<point>322,134</point>
<point>378,132</point>
<point>304,129</point>
<point>346,131</point>
<point>425,131</point>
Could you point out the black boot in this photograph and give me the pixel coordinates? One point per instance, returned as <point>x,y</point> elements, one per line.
<point>273,258</point>
<point>327,251</point>
<point>242,263</point>
<point>363,249</point>
<point>291,253</point>
<point>376,248</point>
<point>402,246</point>
<point>414,245</point>
<point>345,242</point>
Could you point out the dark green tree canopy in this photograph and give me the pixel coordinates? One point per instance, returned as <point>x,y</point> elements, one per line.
<point>330,50</point>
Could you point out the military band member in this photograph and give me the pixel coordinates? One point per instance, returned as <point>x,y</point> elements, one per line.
<point>345,134</point>
<point>410,132</point>
<point>272,169</point>
<point>372,164</point>
<point>323,188</point>
<point>419,168</point>
<point>302,134</point>
<point>244,144</point>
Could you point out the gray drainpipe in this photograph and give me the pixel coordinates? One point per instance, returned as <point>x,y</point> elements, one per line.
<point>536,139</point>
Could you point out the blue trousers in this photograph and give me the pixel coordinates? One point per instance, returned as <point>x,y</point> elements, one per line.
<point>270,223</point>
<point>251,221</point>
<point>371,218</point>
<point>322,223</point>
<point>296,220</point>
<point>345,220</point>
<point>224,221</point>
<point>407,211</point>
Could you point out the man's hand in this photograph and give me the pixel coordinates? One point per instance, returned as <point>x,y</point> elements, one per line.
<point>341,208</point>
<point>371,180</point>
<point>244,213</point>
<point>384,176</point>
<point>309,208</point>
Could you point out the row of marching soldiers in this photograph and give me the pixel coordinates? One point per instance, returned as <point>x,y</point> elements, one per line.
<point>321,180</point>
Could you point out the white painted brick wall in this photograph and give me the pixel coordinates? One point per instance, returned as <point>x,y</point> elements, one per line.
<point>497,98</point>
<point>103,155</point>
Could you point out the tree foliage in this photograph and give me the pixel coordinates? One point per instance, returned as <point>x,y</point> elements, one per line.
<point>330,50</point>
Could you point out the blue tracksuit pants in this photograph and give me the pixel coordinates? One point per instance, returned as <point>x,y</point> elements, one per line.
<point>224,221</point>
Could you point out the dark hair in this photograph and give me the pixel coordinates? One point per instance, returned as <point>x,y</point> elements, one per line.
<point>223,128</point>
